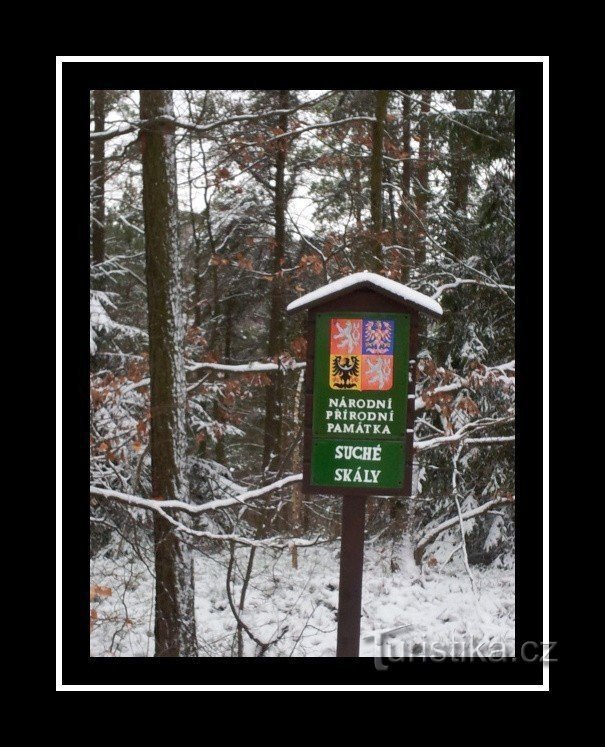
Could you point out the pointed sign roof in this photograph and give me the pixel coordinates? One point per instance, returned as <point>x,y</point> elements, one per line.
<point>368,280</point>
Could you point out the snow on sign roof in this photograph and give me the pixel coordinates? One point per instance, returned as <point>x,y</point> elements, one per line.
<point>380,284</point>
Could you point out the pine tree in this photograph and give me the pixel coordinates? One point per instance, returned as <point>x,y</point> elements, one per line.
<point>376,172</point>
<point>407,219</point>
<point>422,191</point>
<point>98,179</point>
<point>460,174</point>
<point>175,633</point>
<point>275,341</point>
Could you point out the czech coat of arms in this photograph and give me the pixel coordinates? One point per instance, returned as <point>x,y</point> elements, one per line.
<point>361,354</point>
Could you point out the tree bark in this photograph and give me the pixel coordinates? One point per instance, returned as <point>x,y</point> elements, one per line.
<point>275,343</point>
<point>297,496</point>
<point>422,181</point>
<point>98,179</point>
<point>460,177</point>
<point>175,633</point>
<point>376,171</point>
<point>406,186</point>
<point>219,410</point>
<point>456,236</point>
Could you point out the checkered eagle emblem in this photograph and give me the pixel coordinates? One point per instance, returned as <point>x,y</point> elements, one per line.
<point>361,354</point>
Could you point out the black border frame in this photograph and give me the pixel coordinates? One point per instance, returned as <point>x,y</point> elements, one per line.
<point>77,79</point>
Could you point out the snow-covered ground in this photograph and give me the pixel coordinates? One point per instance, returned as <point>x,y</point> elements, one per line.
<point>436,609</point>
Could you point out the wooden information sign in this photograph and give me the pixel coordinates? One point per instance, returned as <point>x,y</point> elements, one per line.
<point>362,341</point>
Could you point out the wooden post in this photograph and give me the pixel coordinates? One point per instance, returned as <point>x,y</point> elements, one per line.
<point>351,570</point>
<point>362,341</point>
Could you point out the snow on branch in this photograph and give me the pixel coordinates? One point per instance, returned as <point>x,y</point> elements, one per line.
<point>254,367</point>
<point>274,542</point>
<point>420,403</point>
<point>116,131</point>
<point>455,121</point>
<point>261,367</point>
<point>161,508</point>
<point>320,125</point>
<point>250,117</point>
<point>434,532</point>
<point>432,443</point>
<point>123,129</point>
<point>101,321</point>
<point>463,281</point>
<point>504,367</point>
<point>463,434</point>
<point>192,509</point>
<point>461,382</point>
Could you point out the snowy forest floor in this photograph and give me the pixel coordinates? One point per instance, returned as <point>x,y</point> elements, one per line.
<point>298,607</point>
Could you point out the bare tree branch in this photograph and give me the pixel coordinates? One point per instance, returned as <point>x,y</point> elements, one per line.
<point>434,532</point>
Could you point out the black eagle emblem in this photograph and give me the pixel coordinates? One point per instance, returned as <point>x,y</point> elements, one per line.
<point>344,369</point>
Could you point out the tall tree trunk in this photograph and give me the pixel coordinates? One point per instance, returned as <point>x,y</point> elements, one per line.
<point>297,496</point>
<point>219,410</point>
<point>376,171</point>
<point>406,186</point>
<point>275,343</point>
<point>460,177</point>
<point>422,181</point>
<point>175,633</point>
<point>398,506</point>
<point>392,214</point>
<point>456,237</point>
<point>98,179</point>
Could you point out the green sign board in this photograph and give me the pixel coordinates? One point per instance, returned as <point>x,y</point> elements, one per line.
<point>360,390</point>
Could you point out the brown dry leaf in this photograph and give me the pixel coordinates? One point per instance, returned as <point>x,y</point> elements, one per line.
<point>96,592</point>
<point>312,262</point>
<point>258,379</point>
<point>96,396</point>
<point>466,404</point>
<point>427,367</point>
<point>299,346</point>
